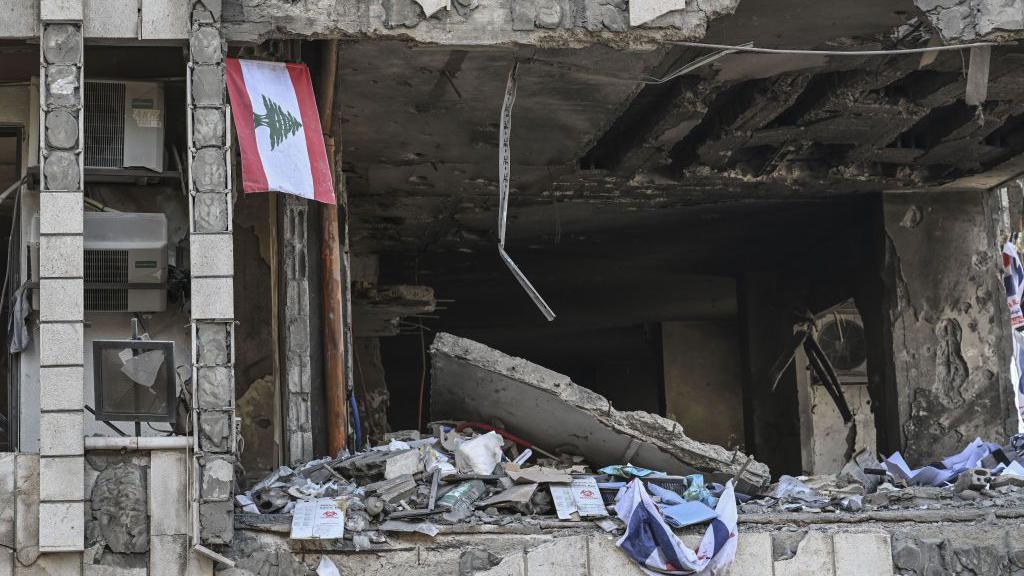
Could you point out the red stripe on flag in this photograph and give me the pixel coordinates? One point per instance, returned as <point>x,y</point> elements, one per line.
<point>254,179</point>
<point>323,185</point>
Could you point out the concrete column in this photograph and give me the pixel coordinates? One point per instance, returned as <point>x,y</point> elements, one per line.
<point>212,275</point>
<point>948,323</point>
<point>295,336</point>
<point>61,376</point>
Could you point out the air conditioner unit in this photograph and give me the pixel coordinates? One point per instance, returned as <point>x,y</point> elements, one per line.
<point>124,124</point>
<point>125,261</point>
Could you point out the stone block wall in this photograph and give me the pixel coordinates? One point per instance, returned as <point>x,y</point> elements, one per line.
<point>61,468</point>
<point>990,547</point>
<point>295,335</point>
<point>135,517</point>
<point>212,275</point>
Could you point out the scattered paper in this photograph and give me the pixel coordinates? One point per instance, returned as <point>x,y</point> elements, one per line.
<point>565,506</point>
<point>520,493</point>
<point>247,504</point>
<point>536,475</point>
<point>319,519</point>
<point>587,497</point>
<point>428,528</point>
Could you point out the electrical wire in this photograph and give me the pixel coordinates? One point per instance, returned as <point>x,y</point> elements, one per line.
<point>892,52</point>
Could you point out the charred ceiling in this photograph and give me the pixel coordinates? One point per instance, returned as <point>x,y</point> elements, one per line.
<point>420,134</point>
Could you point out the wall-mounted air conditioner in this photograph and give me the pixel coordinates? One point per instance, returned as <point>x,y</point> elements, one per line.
<point>124,124</point>
<point>125,268</point>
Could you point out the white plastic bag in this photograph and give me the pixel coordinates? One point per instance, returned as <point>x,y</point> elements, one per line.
<point>479,455</point>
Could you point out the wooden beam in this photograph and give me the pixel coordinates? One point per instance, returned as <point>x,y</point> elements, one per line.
<point>335,385</point>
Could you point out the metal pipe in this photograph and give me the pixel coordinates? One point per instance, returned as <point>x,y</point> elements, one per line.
<point>138,442</point>
<point>335,385</point>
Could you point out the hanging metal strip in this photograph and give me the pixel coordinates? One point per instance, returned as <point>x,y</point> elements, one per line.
<point>504,176</point>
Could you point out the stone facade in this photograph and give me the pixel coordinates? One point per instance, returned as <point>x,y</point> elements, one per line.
<point>295,334</point>
<point>61,448</point>
<point>212,273</point>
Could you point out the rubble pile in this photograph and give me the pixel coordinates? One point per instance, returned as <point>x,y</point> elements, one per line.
<point>465,476</point>
<point>983,475</point>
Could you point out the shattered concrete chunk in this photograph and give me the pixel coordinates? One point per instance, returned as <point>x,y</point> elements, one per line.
<point>475,383</point>
<point>960,21</point>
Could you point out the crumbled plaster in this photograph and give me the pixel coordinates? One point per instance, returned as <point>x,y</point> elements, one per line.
<point>969,20</point>
<point>554,23</point>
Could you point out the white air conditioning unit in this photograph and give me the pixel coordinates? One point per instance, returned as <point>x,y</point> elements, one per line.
<point>125,266</point>
<point>124,124</point>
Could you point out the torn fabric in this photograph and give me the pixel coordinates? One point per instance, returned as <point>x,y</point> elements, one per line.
<point>651,543</point>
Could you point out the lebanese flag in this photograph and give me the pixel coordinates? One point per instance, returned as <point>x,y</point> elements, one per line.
<point>278,129</point>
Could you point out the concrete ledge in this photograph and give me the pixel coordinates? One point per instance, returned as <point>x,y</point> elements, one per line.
<point>138,442</point>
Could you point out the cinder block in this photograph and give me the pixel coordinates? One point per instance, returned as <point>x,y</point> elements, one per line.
<point>8,500</point>
<point>214,384</point>
<point>607,558</point>
<point>216,522</point>
<point>61,299</point>
<point>61,434</point>
<point>213,298</point>
<point>6,561</point>
<point>61,169</point>
<point>61,387</point>
<point>168,498</point>
<point>753,555</point>
<point>60,256</point>
<point>61,527</point>
<point>56,564</point>
<point>217,478</point>
<point>60,10</point>
<point>212,343</point>
<point>111,19</point>
<point>208,123</point>
<point>208,85</point>
<point>62,44</point>
<point>212,254</point>
<point>858,554</point>
<point>26,535</point>
<point>60,212</point>
<point>168,555</point>
<point>21,20</point>
<point>208,170</point>
<point>813,557</point>
<point>563,556</point>
<point>165,19</point>
<point>206,47</point>
<point>215,431</point>
<point>60,344</point>
<point>210,210</point>
<point>62,478</point>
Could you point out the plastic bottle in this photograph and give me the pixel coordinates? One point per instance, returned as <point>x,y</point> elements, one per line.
<point>459,500</point>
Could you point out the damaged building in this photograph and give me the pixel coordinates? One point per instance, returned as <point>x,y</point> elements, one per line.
<point>685,246</point>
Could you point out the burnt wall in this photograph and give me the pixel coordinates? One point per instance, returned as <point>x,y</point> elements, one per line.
<point>948,321</point>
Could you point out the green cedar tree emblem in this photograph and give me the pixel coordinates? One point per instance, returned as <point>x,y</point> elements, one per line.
<point>280,122</point>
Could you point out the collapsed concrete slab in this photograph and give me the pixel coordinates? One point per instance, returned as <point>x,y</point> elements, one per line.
<point>473,382</point>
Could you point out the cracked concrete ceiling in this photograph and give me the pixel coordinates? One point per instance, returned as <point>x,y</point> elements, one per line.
<point>420,131</point>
